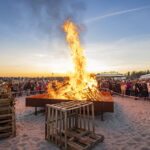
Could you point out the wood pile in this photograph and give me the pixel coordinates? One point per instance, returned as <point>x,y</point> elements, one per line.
<point>71,126</point>
<point>7,113</point>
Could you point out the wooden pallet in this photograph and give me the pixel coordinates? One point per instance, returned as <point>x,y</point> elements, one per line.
<point>82,140</point>
<point>70,125</point>
<point>7,117</point>
<point>78,139</point>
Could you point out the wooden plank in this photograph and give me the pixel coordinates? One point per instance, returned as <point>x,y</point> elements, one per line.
<point>52,125</point>
<point>70,105</point>
<point>99,138</point>
<point>85,132</point>
<point>5,121</point>
<point>75,146</point>
<point>80,118</point>
<point>46,122</point>
<point>5,100</point>
<point>73,119</point>
<point>88,117</point>
<point>78,137</point>
<point>5,109</point>
<point>93,119</point>
<point>5,134</point>
<point>84,118</point>
<point>5,105</point>
<point>56,117</point>
<point>89,140</point>
<point>13,122</point>
<point>65,130</point>
<point>70,113</point>
<point>76,118</point>
<point>6,115</point>
<point>60,129</point>
<point>5,127</point>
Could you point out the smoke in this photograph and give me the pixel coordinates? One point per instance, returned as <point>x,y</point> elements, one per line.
<point>49,15</point>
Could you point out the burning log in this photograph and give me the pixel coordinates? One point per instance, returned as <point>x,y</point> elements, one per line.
<point>81,85</point>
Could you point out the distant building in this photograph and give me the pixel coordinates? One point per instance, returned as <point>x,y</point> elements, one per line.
<point>146,76</point>
<point>111,76</point>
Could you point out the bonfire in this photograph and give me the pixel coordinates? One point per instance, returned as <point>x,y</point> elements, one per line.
<point>81,85</point>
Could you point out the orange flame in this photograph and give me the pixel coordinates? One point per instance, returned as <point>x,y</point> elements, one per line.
<point>81,85</point>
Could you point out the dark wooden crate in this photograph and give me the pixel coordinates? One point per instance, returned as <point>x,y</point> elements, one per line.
<point>7,118</point>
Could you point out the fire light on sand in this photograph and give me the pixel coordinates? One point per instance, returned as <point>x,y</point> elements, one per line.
<point>81,85</point>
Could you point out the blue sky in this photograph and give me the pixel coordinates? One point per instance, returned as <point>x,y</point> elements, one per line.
<point>116,37</point>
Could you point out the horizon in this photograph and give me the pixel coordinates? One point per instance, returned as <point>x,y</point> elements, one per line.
<point>115,36</point>
<point>69,74</point>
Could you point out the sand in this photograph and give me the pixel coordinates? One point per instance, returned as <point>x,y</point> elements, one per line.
<point>128,128</point>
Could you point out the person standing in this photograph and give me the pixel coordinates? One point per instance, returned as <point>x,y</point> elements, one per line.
<point>148,87</point>
<point>140,89</point>
<point>38,88</point>
<point>128,88</point>
<point>145,90</point>
<point>137,90</point>
<point>123,88</point>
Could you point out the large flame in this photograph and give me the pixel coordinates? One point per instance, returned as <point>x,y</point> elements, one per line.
<point>81,85</point>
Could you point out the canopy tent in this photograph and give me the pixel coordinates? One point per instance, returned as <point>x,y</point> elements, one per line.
<point>146,76</point>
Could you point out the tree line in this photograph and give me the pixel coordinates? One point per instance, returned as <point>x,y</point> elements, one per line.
<point>136,74</point>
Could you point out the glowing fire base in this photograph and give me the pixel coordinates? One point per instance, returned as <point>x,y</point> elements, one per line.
<point>41,100</point>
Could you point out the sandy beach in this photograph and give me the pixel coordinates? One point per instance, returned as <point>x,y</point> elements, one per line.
<point>128,128</point>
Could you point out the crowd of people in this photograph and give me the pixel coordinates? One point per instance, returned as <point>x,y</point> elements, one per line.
<point>28,86</point>
<point>135,88</point>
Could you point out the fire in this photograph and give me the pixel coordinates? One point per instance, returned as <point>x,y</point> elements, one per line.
<point>81,86</point>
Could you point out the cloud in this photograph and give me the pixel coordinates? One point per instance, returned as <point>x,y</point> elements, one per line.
<point>114,14</point>
<point>122,55</point>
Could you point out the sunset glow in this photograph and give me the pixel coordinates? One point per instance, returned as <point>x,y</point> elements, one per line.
<point>33,45</point>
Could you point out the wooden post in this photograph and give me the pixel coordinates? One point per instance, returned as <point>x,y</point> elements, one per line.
<point>84,118</point>
<point>88,117</point>
<point>70,112</point>
<point>56,118</point>
<point>13,121</point>
<point>46,122</point>
<point>65,130</point>
<point>93,120</point>
<point>76,118</point>
<point>60,128</point>
<point>80,119</point>
<point>52,124</point>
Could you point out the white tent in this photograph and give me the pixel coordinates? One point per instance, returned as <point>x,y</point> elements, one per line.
<point>115,76</point>
<point>146,76</point>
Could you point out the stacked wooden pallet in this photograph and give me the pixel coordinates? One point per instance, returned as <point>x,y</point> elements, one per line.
<point>70,125</point>
<point>7,116</point>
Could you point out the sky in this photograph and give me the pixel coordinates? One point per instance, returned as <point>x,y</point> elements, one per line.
<point>115,35</point>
